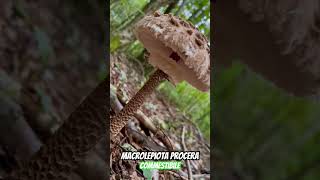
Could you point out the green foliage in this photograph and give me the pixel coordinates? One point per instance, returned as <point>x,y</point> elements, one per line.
<point>191,102</point>
<point>114,43</point>
<point>197,12</point>
<point>147,173</point>
<point>261,128</point>
<point>135,49</point>
<point>123,10</point>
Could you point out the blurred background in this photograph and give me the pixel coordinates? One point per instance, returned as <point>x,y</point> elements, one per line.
<point>262,131</point>
<point>51,57</point>
<point>171,109</point>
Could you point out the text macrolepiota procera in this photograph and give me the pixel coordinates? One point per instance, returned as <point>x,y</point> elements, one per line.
<point>161,155</point>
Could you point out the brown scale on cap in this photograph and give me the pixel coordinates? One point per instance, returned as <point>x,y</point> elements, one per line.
<point>189,31</point>
<point>182,38</point>
<point>198,42</point>
<point>174,21</point>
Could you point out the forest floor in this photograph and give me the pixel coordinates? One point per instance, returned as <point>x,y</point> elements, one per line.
<point>127,77</point>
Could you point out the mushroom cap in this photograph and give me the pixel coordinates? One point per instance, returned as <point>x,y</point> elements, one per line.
<point>177,48</point>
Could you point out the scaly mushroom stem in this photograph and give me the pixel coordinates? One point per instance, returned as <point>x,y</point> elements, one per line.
<point>70,144</point>
<point>121,119</point>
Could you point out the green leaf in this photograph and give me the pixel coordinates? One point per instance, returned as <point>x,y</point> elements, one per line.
<point>115,43</point>
<point>128,147</point>
<point>147,173</point>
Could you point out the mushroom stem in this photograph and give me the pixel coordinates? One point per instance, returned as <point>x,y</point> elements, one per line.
<point>70,144</point>
<point>121,119</point>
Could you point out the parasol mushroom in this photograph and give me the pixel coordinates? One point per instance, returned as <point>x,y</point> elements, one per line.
<point>178,50</point>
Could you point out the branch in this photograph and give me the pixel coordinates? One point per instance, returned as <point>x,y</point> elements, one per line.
<point>143,140</point>
<point>196,176</point>
<point>183,175</point>
<point>185,149</point>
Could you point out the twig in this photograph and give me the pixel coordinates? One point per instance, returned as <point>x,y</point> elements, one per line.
<point>144,141</point>
<point>196,176</point>
<point>177,175</point>
<point>185,149</point>
<point>116,104</point>
<point>183,175</point>
<point>199,134</point>
<point>194,165</point>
